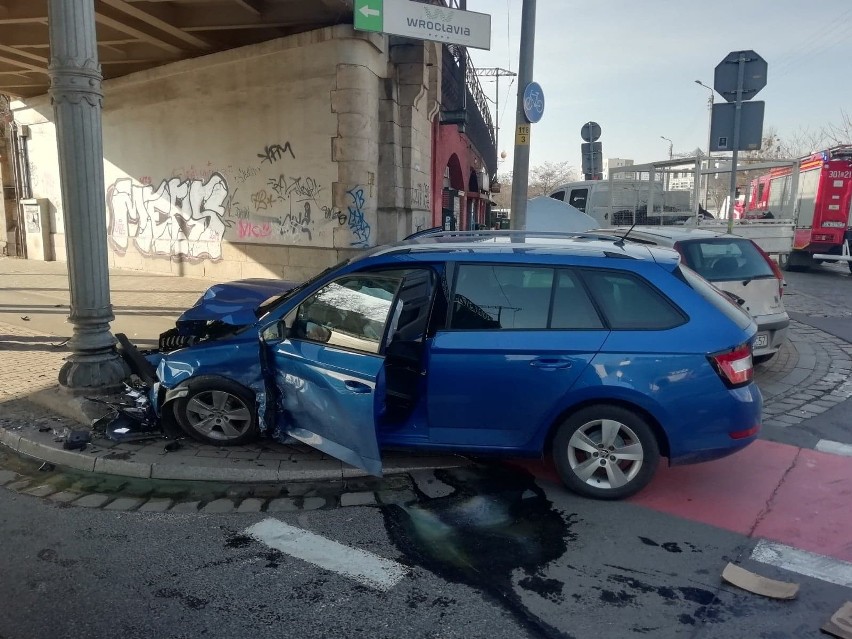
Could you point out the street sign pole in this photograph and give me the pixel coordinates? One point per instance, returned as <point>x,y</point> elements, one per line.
<point>521,169</point>
<point>732,187</point>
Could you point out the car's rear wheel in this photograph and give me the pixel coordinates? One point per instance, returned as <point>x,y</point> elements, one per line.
<point>217,411</point>
<point>605,452</point>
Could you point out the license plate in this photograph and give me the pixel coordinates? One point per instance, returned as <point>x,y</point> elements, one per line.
<point>761,341</point>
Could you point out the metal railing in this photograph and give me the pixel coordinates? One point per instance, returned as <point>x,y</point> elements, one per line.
<point>463,102</point>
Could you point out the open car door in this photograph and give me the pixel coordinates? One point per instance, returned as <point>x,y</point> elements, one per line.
<point>328,362</point>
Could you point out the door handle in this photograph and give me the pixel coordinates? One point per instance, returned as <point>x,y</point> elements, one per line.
<point>356,387</point>
<point>551,362</point>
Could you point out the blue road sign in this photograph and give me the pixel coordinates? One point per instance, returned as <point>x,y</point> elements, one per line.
<point>533,102</point>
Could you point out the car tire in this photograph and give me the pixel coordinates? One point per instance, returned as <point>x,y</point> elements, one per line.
<point>578,446</point>
<point>217,411</point>
<point>762,359</point>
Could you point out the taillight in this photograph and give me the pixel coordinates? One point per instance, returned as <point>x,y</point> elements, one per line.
<point>734,367</point>
<point>775,270</point>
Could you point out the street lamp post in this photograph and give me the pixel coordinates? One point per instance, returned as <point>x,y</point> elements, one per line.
<point>671,155</point>
<point>710,102</point>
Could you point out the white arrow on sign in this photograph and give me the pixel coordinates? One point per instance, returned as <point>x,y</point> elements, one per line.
<point>367,11</point>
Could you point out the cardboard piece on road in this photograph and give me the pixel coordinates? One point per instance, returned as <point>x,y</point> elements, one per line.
<point>840,624</point>
<point>747,580</point>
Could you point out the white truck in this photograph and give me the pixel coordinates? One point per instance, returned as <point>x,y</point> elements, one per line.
<point>622,202</point>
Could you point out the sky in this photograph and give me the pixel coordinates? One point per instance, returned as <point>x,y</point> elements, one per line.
<point>630,66</point>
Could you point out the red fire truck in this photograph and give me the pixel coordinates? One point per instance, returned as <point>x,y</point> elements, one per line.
<point>817,196</point>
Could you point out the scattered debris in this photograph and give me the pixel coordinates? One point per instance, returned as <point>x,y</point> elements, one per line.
<point>62,343</point>
<point>840,624</point>
<point>45,429</point>
<point>132,417</point>
<point>77,440</point>
<point>26,318</point>
<point>47,467</point>
<point>172,446</point>
<point>759,585</point>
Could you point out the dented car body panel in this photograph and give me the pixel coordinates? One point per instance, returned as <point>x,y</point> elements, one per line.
<point>234,303</point>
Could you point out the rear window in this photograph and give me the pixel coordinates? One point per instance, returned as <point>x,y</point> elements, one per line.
<point>716,297</point>
<point>724,259</point>
<point>630,303</point>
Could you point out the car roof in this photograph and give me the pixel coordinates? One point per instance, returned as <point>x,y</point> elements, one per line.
<point>670,234</point>
<point>534,243</point>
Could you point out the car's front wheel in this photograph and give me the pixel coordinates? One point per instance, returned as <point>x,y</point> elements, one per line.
<point>605,452</point>
<point>217,411</point>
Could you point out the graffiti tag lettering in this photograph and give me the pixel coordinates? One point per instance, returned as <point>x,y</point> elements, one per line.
<point>274,152</point>
<point>178,218</point>
<point>247,229</point>
<point>357,223</point>
<point>261,200</point>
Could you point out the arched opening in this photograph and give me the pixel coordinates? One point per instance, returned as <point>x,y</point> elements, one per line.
<point>452,200</point>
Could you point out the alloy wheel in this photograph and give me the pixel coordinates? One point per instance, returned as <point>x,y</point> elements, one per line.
<point>218,415</point>
<point>605,454</point>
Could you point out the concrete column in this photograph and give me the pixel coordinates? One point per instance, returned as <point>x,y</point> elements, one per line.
<point>75,77</point>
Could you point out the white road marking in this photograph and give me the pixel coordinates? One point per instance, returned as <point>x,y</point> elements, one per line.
<point>806,563</point>
<point>360,565</point>
<point>837,448</point>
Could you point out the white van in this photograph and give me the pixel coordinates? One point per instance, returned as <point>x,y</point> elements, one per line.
<point>628,202</point>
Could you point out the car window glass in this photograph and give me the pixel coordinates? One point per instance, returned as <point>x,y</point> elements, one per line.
<point>495,297</point>
<point>714,296</point>
<point>572,307</point>
<point>630,303</point>
<point>725,259</point>
<point>350,312</point>
<point>578,198</point>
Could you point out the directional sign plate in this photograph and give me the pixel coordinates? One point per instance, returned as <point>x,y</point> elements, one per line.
<point>424,22</point>
<point>592,158</point>
<point>368,15</point>
<point>727,75</point>
<point>751,126</point>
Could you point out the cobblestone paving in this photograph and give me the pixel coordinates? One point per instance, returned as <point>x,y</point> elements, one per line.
<point>120,494</point>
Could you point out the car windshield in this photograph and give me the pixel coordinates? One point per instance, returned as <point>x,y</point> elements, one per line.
<point>724,259</point>
<point>275,300</point>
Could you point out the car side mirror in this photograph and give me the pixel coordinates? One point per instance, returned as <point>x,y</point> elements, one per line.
<point>276,332</point>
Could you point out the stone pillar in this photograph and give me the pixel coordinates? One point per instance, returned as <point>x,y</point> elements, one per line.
<point>94,367</point>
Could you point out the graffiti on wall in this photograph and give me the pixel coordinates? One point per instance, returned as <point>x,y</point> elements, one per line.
<point>357,222</point>
<point>179,217</point>
<point>274,152</point>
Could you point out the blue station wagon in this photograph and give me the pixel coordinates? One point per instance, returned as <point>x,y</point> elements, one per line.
<point>603,354</point>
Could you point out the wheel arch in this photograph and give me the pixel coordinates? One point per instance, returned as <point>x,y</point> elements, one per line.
<point>653,422</point>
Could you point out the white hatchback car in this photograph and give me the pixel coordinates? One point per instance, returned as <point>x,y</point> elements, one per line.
<point>733,264</point>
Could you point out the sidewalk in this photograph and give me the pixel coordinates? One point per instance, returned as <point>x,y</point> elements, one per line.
<point>808,377</point>
<point>32,351</point>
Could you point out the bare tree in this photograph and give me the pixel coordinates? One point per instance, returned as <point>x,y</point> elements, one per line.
<point>503,199</point>
<point>839,132</point>
<point>545,177</point>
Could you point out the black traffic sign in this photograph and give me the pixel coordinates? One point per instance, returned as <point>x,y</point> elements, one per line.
<point>591,131</point>
<point>727,72</point>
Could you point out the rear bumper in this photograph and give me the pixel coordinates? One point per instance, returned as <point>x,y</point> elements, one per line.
<point>738,412</point>
<point>775,328</point>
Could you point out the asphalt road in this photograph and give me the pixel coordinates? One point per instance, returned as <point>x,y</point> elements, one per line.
<point>502,555</point>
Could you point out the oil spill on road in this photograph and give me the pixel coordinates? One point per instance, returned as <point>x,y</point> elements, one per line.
<point>669,546</point>
<point>497,522</point>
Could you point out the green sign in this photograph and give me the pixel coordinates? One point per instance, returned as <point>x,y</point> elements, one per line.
<point>369,15</point>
